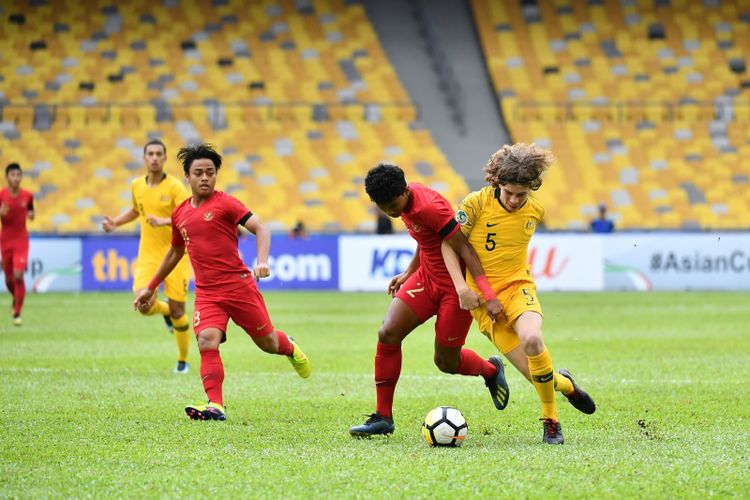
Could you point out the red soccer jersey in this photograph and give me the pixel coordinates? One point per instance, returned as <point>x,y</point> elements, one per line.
<point>430,219</point>
<point>209,233</point>
<point>14,222</point>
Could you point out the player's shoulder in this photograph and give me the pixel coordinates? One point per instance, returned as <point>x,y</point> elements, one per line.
<point>536,205</point>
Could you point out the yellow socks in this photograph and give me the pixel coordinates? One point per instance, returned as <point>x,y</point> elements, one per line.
<point>159,307</point>
<point>181,330</point>
<point>543,379</point>
<point>563,384</point>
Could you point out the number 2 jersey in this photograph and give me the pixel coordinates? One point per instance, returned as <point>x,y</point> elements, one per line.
<point>209,234</point>
<point>500,238</point>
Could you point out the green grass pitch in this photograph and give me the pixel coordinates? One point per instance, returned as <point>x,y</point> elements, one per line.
<point>91,407</point>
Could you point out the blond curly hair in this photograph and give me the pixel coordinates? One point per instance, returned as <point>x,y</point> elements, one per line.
<point>521,164</point>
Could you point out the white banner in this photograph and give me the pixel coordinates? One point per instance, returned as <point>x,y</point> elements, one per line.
<point>558,262</point>
<point>54,265</point>
<point>653,261</point>
<point>567,262</point>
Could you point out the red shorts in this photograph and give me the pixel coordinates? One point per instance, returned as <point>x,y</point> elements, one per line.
<point>15,259</point>
<point>245,305</point>
<point>427,300</point>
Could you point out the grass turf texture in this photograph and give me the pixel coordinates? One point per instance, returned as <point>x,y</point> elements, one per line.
<point>92,408</point>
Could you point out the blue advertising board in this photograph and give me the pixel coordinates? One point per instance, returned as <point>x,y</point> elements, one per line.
<point>311,263</point>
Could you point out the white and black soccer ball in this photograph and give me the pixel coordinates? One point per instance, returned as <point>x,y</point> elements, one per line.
<point>444,426</point>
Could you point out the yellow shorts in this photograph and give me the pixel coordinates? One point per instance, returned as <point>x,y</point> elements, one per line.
<point>176,284</point>
<point>516,298</point>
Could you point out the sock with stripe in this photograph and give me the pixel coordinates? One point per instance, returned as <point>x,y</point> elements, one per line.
<point>543,379</point>
<point>387,372</point>
<point>212,374</point>
<point>181,330</point>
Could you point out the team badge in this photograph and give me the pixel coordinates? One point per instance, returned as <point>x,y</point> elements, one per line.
<point>461,217</point>
<point>165,198</point>
<point>530,224</point>
<point>416,228</point>
<point>207,216</point>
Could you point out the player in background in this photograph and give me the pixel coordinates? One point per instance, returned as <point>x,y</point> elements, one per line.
<point>205,225</point>
<point>16,205</point>
<point>499,221</point>
<point>154,196</point>
<point>423,290</point>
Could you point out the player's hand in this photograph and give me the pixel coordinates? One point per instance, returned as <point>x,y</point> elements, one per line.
<point>4,209</point>
<point>468,299</point>
<point>494,309</point>
<point>396,283</point>
<point>144,300</point>
<point>108,224</point>
<point>155,221</point>
<point>261,271</point>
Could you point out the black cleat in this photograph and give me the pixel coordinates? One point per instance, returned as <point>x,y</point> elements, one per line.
<point>552,432</point>
<point>580,399</point>
<point>497,385</point>
<point>374,425</point>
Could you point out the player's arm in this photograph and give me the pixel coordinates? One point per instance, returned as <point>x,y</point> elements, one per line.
<point>155,221</point>
<point>467,298</point>
<point>252,223</point>
<point>171,259</point>
<point>30,211</point>
<point>109,224</point>
<point>400,279</point>
<point>463,249</point>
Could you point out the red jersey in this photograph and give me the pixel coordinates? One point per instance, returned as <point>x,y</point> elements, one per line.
<point>14,230</point>
<point>430,219</point>
<point>209,234</point>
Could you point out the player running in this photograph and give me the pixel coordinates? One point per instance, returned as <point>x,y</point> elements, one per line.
<point>499,221</point>
<point>205,225</point>
<point>424,290</point>
<point>16,205</point>
<point>154,196</point>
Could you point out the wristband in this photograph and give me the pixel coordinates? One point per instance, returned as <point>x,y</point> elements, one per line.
<point>485,288</point>
<point>155,282</point>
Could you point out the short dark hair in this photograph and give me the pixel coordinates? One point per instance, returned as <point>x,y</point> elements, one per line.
<point>189,154</point>
<point>155,142</point>
<point>12,166</point>
<point>384,183</point>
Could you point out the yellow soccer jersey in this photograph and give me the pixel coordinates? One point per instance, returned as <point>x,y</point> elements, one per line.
<point>159,201</point>
<point>500,238</point>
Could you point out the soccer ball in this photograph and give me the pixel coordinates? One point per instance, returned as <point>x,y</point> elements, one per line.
<point>444,426</point>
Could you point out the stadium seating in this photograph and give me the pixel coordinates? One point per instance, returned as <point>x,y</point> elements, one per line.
<point>297,95</point>
<point>641,102</point>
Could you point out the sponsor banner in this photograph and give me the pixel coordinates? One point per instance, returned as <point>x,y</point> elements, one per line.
<point>54,265</point>
<point>311,263</point>
<point>370,262</point>
<point>681,261</point>
<point>569,262</point>
<point>558,262</point>
<point>307,263</point>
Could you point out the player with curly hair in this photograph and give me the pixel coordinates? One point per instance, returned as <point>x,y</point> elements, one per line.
<point>499,221</point>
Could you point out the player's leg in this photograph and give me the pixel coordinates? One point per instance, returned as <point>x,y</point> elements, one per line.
<point>176,288</point>
<point>529,328</point>
<point>20,258</point>
<point>400,320</point>
<point>7,256</point>
<point>210,324</point>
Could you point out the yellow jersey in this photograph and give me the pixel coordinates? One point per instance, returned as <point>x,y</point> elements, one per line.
<point>500,238</point>
<point>159,201</point>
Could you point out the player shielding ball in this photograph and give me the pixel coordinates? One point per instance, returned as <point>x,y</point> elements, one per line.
<point>154,196</point>
<point>499,221</point>
<point>424,290</point>
<point>16,205</point>
<point>205,225</point>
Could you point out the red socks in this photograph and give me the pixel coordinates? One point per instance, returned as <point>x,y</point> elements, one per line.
<point>212,374</point>
<point>19,293</point>
<point>387,371</point>
<point>285,345</point>
<point>472,364</point>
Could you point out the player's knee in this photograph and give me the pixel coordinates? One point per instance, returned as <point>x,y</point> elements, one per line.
<point>387,335</point>
<point>446,365</point>
<point>533,343</point>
